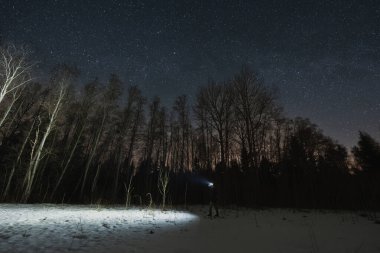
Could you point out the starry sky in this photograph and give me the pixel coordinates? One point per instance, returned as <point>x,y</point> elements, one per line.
<point>323,56</point>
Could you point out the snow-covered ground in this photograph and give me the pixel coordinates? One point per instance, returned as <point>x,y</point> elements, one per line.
<point>66,228</point>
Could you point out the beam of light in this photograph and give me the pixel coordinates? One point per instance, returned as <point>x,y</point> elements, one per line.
<point>62,214</point>
<point>199,180</point>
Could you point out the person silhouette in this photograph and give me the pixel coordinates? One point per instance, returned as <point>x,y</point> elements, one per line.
<point>213,197</point>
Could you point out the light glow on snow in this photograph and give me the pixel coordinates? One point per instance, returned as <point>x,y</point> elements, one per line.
<point>23,214</point>
<point>64,228</point>
<point>73,228</point>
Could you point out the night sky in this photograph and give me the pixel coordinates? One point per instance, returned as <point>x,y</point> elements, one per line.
<point>324,56</point>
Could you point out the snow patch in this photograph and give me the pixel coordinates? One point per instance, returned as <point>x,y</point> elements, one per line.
<point>65,228</point>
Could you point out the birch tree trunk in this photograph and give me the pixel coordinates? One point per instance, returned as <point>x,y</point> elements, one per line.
<point>38,155</point>
<point>14,74</point>
<point>92,153</point>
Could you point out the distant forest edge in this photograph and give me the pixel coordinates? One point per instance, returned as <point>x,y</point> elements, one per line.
<point>102,144</point>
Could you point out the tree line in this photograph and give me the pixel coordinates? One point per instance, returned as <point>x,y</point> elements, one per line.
<point>66,142</point>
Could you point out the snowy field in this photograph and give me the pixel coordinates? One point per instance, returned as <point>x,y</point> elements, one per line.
<point>65,228</point>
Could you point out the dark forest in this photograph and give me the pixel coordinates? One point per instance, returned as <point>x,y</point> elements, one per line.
<point>64,141</point>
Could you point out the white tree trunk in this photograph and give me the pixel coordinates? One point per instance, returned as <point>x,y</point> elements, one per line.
<point>38,155</point>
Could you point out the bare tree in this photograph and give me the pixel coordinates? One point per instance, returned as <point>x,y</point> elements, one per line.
<point>14,69</point>
<point>104,117</point>
<point>216,99</point>
<point>137,122</point>
<point>127,129</point>
<point>129,190</point>
<point>53,107</point>
<point>71,140</point>
<point>252,101</point>
<point>16,163</point>
<point>203,137</point>
<point>163,181</point>
<point>152,131</point>
<point>181,111</point>
<point>14,74</point>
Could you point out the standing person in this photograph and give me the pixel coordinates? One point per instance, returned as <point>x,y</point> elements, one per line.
<point>213,200</point>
